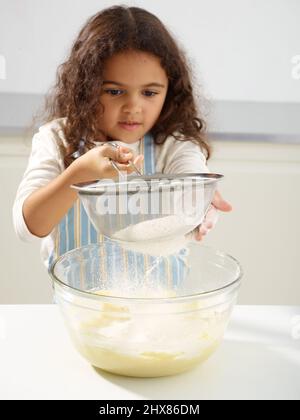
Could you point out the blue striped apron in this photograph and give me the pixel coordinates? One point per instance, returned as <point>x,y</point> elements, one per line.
<point>75,230</point>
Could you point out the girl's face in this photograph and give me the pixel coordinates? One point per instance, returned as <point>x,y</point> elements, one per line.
<point>134,90</point>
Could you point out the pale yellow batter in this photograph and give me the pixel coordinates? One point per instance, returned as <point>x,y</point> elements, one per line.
<point>130,341</point>
<point>144,365</point>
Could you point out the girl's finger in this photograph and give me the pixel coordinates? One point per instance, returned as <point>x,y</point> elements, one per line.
<point>208,224</point>
<point>203,230</point>
<point>124,149</point>
<point>124,152</point>
<point>138,161</point>
<point>125,167</point>
<point>120,154</point>
<point>220,203</point>
<point>211,217</point>
<point>198,236</point>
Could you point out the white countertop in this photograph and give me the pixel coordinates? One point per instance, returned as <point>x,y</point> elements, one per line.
<point>259,359</point>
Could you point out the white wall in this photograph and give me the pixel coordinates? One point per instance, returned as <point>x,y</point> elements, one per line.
<point>241,49</point>
<point>263,230</point>
<point>23,278</point>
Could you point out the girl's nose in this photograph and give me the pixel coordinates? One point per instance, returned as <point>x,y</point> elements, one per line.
<point>132,106</point>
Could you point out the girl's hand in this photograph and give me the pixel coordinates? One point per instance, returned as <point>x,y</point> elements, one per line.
<point>212,216</point>
<point>96,164</point>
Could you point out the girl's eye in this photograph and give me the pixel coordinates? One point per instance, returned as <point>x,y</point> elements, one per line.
<point>151,93</point>
<point>114,92</point>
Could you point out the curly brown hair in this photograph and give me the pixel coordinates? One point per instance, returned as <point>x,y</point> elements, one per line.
<point>76,92</point>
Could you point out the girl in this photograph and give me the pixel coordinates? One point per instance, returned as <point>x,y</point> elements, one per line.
<point>125,80</point>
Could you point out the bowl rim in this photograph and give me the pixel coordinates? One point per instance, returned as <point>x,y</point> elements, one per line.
<point>134,183</point>
<point>234,284</point>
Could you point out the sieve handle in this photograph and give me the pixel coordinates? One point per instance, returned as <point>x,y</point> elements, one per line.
<point>111,143</point>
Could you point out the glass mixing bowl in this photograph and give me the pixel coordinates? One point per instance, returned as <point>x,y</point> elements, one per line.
<point>143,316</point>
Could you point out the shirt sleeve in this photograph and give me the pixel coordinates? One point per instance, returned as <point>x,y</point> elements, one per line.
<point>183,157</point>
<point>44,165</point>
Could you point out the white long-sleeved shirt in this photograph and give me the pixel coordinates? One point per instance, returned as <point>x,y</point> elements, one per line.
<point>46,162</point>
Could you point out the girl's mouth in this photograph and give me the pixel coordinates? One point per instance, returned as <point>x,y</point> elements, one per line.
<point>129,126</point>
